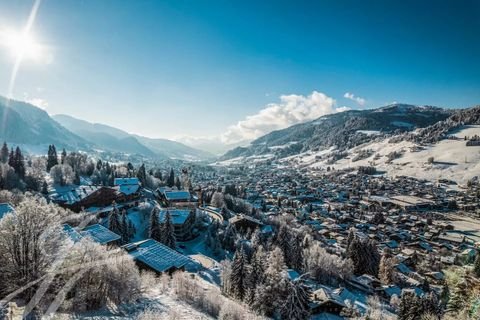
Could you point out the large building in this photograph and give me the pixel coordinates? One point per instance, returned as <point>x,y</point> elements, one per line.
<point>183,222</point>
<point>152,255</point>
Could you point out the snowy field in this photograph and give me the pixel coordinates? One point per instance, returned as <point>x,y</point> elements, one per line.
<point>452,158</point>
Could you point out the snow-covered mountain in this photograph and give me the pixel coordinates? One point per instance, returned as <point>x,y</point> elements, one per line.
<point>25,124</point>
<point>342,130</point>
<point>113,139</point>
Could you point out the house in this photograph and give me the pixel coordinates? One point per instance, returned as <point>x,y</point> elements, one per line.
<point>174,198</point>
<point>152,255</point>
<point>244,222</point>
<point>100,234</point>
<point>77,198</point>
<point>5,208</point>
<point>183,221</point>
<point>96,232</point>
<point>129,187</point>
<point>324,300</point>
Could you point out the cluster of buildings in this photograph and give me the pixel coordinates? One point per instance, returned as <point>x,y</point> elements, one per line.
<point>412,220</point>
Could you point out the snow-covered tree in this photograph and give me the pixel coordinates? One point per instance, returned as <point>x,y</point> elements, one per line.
<point>238,277</point>
<point>30,240</point>
<point>296,306</point>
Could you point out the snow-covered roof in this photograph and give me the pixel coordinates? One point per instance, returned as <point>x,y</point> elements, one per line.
<point>72,194</point>
<point>177,195</point>
<point>126,181</point>
<point>5,208</point>
<point>73,234</point>
<point>100,234</point>
<point>157,256</point>
<point>178,216</point>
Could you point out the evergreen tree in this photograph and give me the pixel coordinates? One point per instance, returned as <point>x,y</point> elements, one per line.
<point>63,156</point>
<point>239,274</point>
<point>296,306</point>
<point>171,179</point>
<point>52,159</point>
<point>476,265</point>
<point>76,179</point>
<point>142,175</point>
<point>131,229</point>
<point>44,188</point>
<point>168,232</point>
<point>284,243</point>
<point>178,183</point>
<point>365,256</point>
<point>114,223</point>
<point>154,228</point>
<point>124,228</point>
<point>296,253</point>
<point>410,306</point>
<point>11,159</point>
<point>19,163</point>
<point>4,153</point>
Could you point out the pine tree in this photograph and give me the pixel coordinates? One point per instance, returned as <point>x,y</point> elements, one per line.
<point>11,159</point>
<point>178,183</point>
<point>114,223</point>
<point>124,227</point>
<point>44,188</point>
<point>284,243</point>
<point>239,274</point>
<point>168,232</point>
<point>142,175</point>
<point>63,156</point>
<point>76,179</point>
<point>476,265</point>
<point>154,228</point>
<point>171,179</point>
<point>296,253</point>
<point>410,306</point>
<point>52,158</point>
<point>365,256</point>
<point>4,153</point>
<point>296,306</point>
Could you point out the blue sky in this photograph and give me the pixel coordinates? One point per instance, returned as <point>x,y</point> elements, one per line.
<point>205,68</point>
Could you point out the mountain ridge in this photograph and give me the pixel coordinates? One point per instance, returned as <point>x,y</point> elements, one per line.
<point>342,129</point>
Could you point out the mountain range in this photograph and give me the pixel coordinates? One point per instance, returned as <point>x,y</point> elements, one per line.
<point>33,128</point>
<point>343,130</point>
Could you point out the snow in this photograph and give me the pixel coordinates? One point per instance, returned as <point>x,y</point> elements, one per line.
<point>453,160</point>
<point>369,132</point>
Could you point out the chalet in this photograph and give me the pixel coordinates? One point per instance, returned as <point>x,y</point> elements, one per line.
<point>5,208</point>
<point>77,197</point>
<point>183,222</point>
<point>174,198</point>
<point>96,232</point>
<point>100,234</point>
<point>128,187</point>
<point>244,222</point>
<point>324,300</point>
<point>152,255</point>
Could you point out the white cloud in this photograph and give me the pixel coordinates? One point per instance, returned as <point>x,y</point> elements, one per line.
<point>291,109</point>
<point>37,102</point>
<point>351,96</point>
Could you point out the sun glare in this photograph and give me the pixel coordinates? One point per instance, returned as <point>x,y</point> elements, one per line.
<point>21,45</point>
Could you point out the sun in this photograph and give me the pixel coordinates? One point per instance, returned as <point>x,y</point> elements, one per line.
<point>21,45</point>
